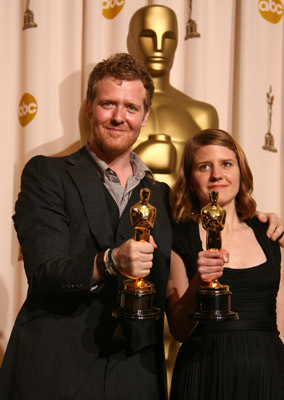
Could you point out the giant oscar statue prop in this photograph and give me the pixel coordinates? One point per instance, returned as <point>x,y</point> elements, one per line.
<point>174,116</point>
<point>213,300</point>
<point>137,296</point>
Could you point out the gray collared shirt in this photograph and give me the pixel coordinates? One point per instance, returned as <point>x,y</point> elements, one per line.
<point>111,181</point>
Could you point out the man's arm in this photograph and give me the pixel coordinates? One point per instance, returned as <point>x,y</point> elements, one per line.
<point>53,264</point>
<point>275,226</point>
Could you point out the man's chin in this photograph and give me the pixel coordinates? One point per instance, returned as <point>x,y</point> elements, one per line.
<point>118,150</point>
<point>115,152</point>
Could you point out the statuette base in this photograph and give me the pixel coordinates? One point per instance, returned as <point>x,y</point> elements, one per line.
<point>213,304</point>
<point>136,302</point>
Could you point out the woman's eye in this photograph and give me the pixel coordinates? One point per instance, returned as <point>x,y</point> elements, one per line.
<point>227,164</point>
<point>203,167</point>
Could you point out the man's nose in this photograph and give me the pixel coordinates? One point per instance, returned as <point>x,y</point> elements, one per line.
<point>118,115</point>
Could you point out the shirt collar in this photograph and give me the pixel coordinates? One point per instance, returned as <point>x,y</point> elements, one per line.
<point>139,169</point>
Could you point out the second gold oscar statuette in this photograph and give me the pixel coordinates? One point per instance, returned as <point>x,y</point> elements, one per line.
<point>213,300</point>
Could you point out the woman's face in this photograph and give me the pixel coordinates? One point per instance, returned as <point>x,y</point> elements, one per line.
<point>215,168</point>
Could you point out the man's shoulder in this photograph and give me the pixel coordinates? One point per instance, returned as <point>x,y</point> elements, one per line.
<point>161,188</point>
<point>58,161</point>
<point>53,168</point>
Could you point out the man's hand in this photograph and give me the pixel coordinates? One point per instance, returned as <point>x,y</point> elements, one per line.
<point>275,227</point>
<point>134,259</point>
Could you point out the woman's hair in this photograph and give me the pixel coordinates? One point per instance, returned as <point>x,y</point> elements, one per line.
<point>123,67</point>
<point>185,204</point>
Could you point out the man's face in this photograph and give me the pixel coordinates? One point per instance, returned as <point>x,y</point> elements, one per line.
<point>117,115</point>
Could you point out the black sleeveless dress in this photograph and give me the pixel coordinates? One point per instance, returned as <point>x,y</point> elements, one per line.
<point>235,360</point>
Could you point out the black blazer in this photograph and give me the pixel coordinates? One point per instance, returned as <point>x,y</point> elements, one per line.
<point>63,218</point>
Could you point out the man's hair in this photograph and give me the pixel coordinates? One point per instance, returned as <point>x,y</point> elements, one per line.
<point>123,67</point>
<point>185,204</point>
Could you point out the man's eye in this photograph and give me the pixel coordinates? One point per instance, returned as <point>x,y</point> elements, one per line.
<point>107,104</point>
<point>132,108</point>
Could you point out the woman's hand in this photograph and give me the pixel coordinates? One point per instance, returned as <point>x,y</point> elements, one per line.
<point>211,263</point>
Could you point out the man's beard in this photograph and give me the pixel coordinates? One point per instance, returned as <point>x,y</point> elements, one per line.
<point>113,148</point>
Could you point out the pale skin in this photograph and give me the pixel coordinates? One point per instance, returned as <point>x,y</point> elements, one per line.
<point>215,168</point>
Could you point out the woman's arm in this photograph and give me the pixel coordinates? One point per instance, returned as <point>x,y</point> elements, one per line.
<point>280,302</point>
<point>181,297</point>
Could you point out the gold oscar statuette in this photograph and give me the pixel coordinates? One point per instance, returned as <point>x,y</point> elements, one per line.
<point>213,300</point>
<point>137,295</point>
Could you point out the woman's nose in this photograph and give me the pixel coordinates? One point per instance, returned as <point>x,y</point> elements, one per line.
<point>216,172</point>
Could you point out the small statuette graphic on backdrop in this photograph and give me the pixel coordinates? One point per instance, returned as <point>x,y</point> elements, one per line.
<point>28,17</point>
<point>191,26</point>
<point>269,139</point>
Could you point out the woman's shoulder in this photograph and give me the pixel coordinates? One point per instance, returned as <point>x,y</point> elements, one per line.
<point>256,224</point>
<point>260,229</point>
<point>185,227</point>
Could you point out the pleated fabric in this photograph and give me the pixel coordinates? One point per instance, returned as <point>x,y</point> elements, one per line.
<point>238,365</point>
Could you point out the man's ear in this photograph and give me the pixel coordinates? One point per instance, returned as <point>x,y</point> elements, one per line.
<point>87,109</point>
<point>145,119</point>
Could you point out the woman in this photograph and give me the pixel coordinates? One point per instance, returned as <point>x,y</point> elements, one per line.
<point>241,359</point>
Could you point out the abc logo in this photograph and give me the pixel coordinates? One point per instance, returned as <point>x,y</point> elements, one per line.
<point>27,109</point>
<point>271,10</point>
<point>112,7</point>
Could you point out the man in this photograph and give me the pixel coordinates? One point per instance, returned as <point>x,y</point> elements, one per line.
<point>73,223</point>
<point>65,343</point>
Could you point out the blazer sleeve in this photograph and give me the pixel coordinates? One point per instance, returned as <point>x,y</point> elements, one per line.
<point>42,225</point>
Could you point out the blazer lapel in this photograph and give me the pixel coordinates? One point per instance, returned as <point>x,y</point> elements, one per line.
<point>84,174</point>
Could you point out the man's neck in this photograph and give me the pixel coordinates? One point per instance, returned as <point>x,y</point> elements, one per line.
<point>122,167</point>
<point>119,164</point>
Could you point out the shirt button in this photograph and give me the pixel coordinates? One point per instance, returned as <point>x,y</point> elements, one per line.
<point>121,237</point>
